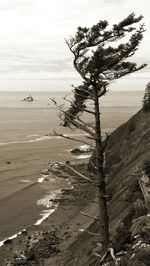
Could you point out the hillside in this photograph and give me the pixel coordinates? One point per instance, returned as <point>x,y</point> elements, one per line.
<point>128,148</point>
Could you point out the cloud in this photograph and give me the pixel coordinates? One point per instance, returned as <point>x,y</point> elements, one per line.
<point>7,4</point>
<point>30,62</point>
<point>112,1</point>
<point>32,37</point>
<point>15,4</point>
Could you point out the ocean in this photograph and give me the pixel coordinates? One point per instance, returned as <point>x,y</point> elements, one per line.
<point>42,99</point>
<point>41,116</point>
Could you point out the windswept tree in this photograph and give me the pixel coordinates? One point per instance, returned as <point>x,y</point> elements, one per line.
<point>99,60</point>
<point>100,55</point>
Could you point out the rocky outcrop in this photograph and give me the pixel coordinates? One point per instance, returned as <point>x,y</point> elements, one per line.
<point>37,246</point>
<point>82,150</point>
<point>29,98</point>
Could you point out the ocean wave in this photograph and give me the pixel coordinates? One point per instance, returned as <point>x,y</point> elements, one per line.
<point>40,138</point>
<point>25,181</point>
<point>42,178</point>
<point>47,201</point>
<point>83,156</point>
<point>26,141</point>
<point>45,214</point>
<point>11,237</point>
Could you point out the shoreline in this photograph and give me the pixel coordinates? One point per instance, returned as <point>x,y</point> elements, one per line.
<point>48,177</point>
<point>22,179</point>
<point>68,206</point>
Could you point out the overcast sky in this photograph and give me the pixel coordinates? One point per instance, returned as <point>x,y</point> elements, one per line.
<point>33,53</point>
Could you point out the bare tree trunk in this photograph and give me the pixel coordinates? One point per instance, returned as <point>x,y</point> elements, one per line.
<point>103,215</point>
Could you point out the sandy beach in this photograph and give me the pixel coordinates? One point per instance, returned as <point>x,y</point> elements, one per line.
<point>62,227</point>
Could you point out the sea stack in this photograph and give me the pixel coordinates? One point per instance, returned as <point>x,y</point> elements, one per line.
<point>29,98</point>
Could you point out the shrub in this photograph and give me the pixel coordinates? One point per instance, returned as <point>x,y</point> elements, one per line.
<point>146,168</point>
<point>131,126</point>
<point>146,99</point>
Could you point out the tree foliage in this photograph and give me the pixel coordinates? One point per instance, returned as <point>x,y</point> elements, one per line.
<point>99,57</point>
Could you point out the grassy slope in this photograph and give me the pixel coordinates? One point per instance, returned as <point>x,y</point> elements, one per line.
<point>128,148</point>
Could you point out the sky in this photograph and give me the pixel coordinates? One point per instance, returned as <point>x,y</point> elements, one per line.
<point>33,52</point>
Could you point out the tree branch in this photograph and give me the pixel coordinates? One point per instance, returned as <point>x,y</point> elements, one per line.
<point>83,176</point>
<point>70,138</point>
<point>88,97</point>
<point>90,216</point>
<point>72,121</point>
<point>91,233</point>
<point>83,127</point>
<point>84,123</point>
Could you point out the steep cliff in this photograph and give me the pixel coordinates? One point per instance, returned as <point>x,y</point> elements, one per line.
<point>128,148</point>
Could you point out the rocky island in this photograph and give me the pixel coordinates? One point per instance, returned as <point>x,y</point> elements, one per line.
<point>29,98</point>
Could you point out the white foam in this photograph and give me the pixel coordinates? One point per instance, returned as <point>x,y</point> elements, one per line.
<point>10,238</point>
<point>74,134</point>
<point>40,138</point>
<point>47,201</point>
<point>83,156</point>
<point>25,181</point>
<point>45,214</point>
<point>85,147</point>
<point>27,141</point>
<point>34,135</point>
<point>42,178</point>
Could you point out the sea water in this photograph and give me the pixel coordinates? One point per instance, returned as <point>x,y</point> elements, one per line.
<point>42,99</point>
<point>20,119</point>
